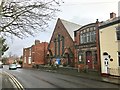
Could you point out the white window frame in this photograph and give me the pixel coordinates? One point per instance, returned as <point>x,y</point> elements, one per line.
<point>80,58</point>
<point>81,38</point>
<point>29,60</point>
<point>24,59</point>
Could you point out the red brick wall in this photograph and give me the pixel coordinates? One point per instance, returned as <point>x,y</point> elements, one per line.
<point>96,48</point>
<point>10,61</point>
<point>77,38</point>
<point>38,54</point>
<point>68,41</point>
<point>26,52</point>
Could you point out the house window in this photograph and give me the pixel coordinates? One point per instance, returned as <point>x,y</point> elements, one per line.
<point>55,43</point>
<point>119,58</point>
<point>29,60</point>
<point>94,39</point>
<point>85,37</point>
<point>80,57</point>
<point>24,59</point>
<point>88,37</point>
<point>58,44</point>
<point>94,28</point>
<point>81,38</point>
<point>93,36</point>
<point>91,28</point>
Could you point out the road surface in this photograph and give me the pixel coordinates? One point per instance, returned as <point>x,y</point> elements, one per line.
<point>40,79</point>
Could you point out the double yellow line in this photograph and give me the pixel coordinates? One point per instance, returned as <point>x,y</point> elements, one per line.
<point>16,82</point>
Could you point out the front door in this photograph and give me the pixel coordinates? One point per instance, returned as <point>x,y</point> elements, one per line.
<point>89,59</point>
<point>68,59</point>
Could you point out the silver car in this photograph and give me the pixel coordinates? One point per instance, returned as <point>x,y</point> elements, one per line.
<point>12,67</point>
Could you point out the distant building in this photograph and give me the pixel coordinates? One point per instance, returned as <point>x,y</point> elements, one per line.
<point>109,37</point>
<point>61,45</point>
<point>36,54</point>
<point>12,59</point>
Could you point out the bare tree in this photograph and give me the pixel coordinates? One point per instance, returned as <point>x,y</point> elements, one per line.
<point>3,46</point>
<point>26,17</point>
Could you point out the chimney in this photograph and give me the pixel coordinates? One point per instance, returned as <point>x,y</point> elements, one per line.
<point>37,42</point>
<point>112,15</point>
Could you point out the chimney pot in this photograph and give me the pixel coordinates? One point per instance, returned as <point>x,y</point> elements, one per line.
<point>112,15</point>
<point>37,42</point>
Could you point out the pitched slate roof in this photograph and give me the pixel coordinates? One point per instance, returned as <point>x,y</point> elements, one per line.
<point>109,22</point>
<point>70,27</point>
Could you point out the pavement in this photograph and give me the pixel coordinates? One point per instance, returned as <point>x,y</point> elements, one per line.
<point>5,82</point>
<point>93,75</point>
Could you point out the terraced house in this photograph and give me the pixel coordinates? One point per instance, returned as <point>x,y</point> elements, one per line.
<point>109,37</point>
<point>36,54</point>
<point>61,45</point>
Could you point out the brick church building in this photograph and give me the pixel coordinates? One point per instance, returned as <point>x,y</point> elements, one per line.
<point>61,45</point>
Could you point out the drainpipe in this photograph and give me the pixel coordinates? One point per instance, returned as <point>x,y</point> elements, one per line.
<point>98,45</point>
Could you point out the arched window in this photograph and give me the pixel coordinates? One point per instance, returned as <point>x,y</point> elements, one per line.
<point>58,44</point>
<point>62,44</point>
<point>105,53</point>
<point>55,45</point>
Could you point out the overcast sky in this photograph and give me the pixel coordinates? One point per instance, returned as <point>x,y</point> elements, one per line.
<point>78,11</point>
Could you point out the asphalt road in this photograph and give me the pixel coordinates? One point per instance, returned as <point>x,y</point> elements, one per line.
<point>0,79</point>
<point>40,79</point>
<point>5,81</point>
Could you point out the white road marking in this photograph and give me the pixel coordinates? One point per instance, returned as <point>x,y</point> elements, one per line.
<point>16,82</point>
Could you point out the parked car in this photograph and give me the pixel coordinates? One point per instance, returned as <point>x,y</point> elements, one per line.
<point>19,66</point>
<point>12,67</point>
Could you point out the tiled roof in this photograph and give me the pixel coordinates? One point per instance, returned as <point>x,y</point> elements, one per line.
<point>110,21</point>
